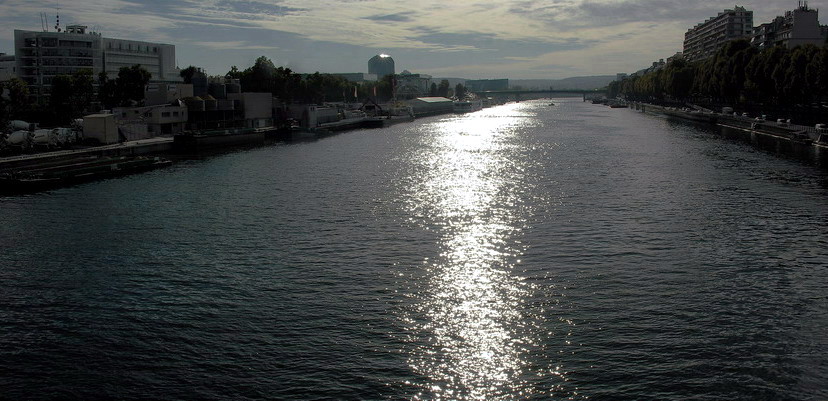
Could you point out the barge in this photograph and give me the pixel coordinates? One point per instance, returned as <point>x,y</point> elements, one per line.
<point>191,141</point>
<point>76,171</point>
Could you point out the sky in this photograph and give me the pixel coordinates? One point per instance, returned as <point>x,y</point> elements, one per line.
<point>517,39</point>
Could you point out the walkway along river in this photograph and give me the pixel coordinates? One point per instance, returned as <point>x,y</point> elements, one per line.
<point>525,251</point>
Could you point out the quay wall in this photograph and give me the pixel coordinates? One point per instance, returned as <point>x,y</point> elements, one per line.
<point>765,135</point>
<point>159,145</point>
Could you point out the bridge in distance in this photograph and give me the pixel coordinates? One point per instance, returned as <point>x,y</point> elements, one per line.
<point>521,94</point>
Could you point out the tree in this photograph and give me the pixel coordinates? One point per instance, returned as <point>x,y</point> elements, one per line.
<point>130,85</point>
<point>83,90</point>
<point>70,96</point>
<point>433,90</point>
<point>385,88</point>
<point>460,91</point>
<point>234,73</point>
<point>19,101</point>
<point>260,76</point>
<point>60,98</point>
<point>187,74</point>
<point>443,88</point>
<point>613,89</point>
<point>4,109</point>
<point>107,91</point>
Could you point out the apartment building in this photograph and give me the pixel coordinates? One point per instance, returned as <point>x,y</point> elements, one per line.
<point>703,40</point>
<point>42,55</point>
<point>797,27</point>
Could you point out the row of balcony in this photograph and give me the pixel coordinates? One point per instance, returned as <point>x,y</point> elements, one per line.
<point>60,62</point>
<point>54,53</point>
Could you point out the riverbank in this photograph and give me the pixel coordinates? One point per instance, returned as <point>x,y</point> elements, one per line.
<point>182,145</point>
<point>778,136</point>
<point>152,146</point>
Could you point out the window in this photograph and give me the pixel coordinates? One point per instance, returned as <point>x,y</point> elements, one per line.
<point>165,114</point>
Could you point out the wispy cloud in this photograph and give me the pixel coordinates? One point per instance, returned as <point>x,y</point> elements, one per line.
<point>398,17</point>
<point>477,37</point>
<point>234,45</point>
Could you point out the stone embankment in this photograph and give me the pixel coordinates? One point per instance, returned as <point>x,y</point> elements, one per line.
<point>794,136</point>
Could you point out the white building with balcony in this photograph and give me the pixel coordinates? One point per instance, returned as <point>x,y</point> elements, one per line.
<point>706,38</point>
<point>42,55</point>
<point>797,27</point>
<point>157,58</point>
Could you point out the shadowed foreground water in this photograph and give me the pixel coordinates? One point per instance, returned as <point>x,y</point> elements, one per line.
<point>525,251</point>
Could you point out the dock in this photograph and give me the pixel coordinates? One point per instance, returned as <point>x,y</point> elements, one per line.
<point>158,145</point>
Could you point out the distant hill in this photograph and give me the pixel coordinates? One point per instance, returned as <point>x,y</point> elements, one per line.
<point>591,82</point>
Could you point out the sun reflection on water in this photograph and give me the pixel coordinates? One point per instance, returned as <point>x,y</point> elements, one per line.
<point>470,310</point>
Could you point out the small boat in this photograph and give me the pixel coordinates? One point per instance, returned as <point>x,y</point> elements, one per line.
<point>192,141</point>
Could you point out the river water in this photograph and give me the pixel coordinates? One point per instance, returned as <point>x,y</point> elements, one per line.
<point>525,251</point>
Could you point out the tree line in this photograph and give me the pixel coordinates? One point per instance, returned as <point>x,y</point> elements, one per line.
<point>291,87</point>
<point>738,74</point>
<point>73,95</point>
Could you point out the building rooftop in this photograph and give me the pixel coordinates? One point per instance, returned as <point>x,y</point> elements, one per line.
<point>433,99</point>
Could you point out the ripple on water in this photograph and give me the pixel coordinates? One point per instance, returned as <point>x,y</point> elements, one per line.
<point>520,252</point>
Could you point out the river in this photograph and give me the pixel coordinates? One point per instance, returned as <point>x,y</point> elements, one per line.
<point>525,251</point>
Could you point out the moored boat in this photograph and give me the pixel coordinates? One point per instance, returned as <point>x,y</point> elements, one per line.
<point>75,172</point>
<point>227,137</point>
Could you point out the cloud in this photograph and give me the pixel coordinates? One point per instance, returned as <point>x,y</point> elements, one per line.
<point>257,7</point>
<point>514,37</point>
<point>234,45</point>
<point>398,17</point>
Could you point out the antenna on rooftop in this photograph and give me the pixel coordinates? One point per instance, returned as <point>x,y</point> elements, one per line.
<point>42,23</point>
<point>57,16</point>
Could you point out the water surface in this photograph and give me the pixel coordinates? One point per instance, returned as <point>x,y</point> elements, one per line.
<point>525,251</point>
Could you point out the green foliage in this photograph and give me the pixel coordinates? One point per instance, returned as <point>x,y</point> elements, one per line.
<point>70,97</point>
<point>125,90</point>
<point>289,87</point>
<point>443,88</point>
<point>130,84</point>
<point>234,73</point>
<point>19,101</point>
<point>187,74</point>
<point>433,90</point>
<point>260,77</point>
<point>736,74</point>
<point>319,88</point>
<point>83,91</point>
<point>4,109</point>
<point>60,99</point>
<point>460,91</point>
<point>107,91</point>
